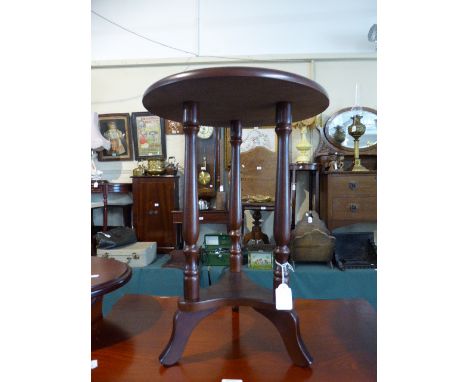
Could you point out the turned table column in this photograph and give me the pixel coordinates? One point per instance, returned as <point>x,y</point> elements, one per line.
<point>190,225</point>
<point>282,219</point>
<point>235,208</point>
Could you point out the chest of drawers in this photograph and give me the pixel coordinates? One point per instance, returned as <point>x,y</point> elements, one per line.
<point>348,197</point>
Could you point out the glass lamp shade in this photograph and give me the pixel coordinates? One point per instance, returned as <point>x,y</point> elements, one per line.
<point>98,142</point>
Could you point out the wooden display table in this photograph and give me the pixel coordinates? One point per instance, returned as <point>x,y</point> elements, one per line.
<point>236,345</point>
<point>112,274</point>
<point>230,97</point>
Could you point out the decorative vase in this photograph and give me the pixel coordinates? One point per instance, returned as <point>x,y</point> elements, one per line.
<point>304,147</point>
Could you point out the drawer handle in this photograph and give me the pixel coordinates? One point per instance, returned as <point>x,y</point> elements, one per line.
<point>352,185</point>
<point>353,207</point>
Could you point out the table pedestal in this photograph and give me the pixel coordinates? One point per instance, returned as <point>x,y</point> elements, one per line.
<point>234,289</point>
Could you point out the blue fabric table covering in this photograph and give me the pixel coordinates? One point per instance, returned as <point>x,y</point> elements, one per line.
<point>314,281</point>
<point>318,281</point>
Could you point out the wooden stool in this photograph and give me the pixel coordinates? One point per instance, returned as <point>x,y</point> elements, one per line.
<point>228,97</point>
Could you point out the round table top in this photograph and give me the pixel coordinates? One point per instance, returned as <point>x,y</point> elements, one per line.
<point>224,94</point>
<point>112,275</point>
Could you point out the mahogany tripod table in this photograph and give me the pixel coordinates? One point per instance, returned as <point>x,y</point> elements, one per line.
<point>232,97</point>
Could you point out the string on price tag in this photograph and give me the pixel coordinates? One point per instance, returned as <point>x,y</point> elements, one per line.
<point>283,293</point>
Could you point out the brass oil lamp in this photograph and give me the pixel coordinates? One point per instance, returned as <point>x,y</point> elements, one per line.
<point>356,130</point>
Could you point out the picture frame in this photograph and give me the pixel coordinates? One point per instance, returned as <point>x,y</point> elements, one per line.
<point>149,136</point>
<point>173,128</point>
<point>116,129</point>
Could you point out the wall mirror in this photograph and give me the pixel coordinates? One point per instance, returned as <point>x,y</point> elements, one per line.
<point>336,129</point>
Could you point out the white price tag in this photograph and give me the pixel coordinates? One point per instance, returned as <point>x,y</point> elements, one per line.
<point>95,184</point>
<point>259,168</point>
<point>203,168</point>
<point>294,186</point>
<point>200,218</point>
<point>94,363</point>
<point>94,276</point>
<point>156,204</point>
<point>263,208</point>
<point>283,296</point>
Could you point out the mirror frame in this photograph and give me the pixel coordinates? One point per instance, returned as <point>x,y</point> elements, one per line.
<point>343,149</point>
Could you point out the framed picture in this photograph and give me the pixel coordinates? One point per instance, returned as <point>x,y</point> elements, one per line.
<point>173,128</point>
<point>251,137</point>
<point>149,137</point>
<point>116,129</point>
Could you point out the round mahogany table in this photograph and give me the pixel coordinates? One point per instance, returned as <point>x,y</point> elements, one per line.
<point>232,97</point>
<point>112,274</point>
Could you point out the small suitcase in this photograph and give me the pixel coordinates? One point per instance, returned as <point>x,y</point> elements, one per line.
<point>138,254</point>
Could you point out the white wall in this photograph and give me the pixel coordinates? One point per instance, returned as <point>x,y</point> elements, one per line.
<point>226,27</point>
<point>120,88</point>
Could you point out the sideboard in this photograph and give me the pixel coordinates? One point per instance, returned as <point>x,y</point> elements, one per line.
<point>154,197</point>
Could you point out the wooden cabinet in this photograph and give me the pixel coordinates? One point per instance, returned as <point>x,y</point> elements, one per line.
<point>348,197</point>
<point>154,197</point>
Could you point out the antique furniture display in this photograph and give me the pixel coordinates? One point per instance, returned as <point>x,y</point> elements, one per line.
<point>311,240</point>
<point>154,197</point>
<point>106,275</point>
<point>234,96</point>
<point>348,197</point>
<point>311,169</point>
<point>105,188</point>
<point>343,332</point>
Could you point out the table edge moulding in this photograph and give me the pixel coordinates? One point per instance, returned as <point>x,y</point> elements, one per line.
<point>232,97</point>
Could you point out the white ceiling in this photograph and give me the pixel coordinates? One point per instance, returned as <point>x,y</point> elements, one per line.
<point>230,28</point>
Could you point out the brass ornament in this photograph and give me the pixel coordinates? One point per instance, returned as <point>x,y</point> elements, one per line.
<point>156,166</point>
<point>356,130</point>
